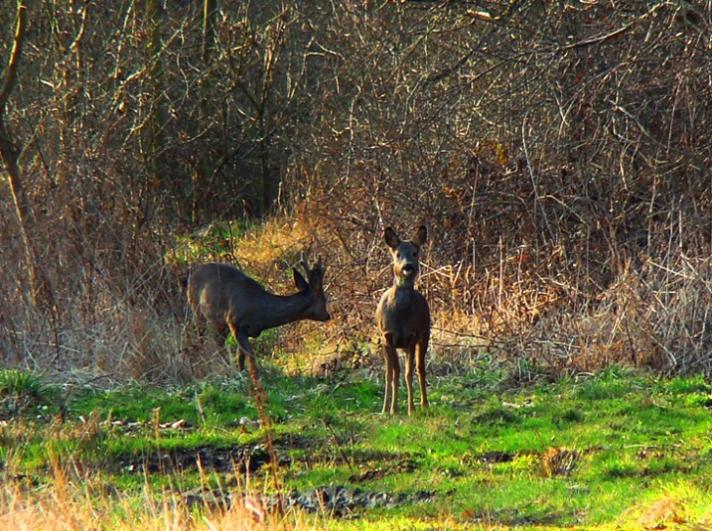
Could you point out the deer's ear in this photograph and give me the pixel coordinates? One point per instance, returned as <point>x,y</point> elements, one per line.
<point>299,281</point>
<point>420,236</point>
<point>392,239</point>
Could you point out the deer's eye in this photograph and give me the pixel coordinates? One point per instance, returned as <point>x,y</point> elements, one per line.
<point>397,254</point>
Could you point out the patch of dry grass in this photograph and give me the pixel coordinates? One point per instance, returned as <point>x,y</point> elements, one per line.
<point>91,503</point>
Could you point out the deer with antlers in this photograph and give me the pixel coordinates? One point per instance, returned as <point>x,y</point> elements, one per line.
<point>231,301</point>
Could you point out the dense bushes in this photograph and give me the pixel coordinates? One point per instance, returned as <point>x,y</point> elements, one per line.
<point>559,154</point>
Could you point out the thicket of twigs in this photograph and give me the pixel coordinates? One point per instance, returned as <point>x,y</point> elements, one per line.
<point>559,154</point>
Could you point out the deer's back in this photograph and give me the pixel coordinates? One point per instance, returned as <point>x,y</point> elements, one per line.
<point>403,314</point>
<point>214,288</point>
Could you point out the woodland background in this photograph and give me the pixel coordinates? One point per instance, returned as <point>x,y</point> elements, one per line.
<point>559,153</point>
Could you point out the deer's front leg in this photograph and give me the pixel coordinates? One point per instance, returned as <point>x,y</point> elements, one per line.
<point>409,358</point>
<point>200,325</point>
<point>243,349</point>
<point>386,379</point>
<point>258,390</point>
<point>394,377</point>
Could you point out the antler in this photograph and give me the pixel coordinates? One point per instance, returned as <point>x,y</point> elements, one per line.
<point>304,263</point>
<point>320,263</point>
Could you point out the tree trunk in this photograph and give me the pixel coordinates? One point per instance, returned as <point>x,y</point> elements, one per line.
<point>40,294</point>
<point>203,166</point>
<point>156,119</point>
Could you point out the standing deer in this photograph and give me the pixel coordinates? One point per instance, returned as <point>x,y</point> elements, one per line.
<point>403,319</point>
<point>232,302</point>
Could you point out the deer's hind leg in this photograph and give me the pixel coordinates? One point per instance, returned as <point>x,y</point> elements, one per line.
<point>220,331</point>
<point>390,399</point>
<point>395,378</point>
<point>198,324</point>
<point>421,349</point>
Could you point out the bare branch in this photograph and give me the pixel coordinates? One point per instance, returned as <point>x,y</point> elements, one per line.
<point>17,43</point>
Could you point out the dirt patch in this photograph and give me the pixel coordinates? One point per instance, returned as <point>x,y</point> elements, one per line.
<point>363,459</point>
<point>369,464</point>
<point>236,458</point>
<point>335,500</point>
<point>239,458</point>
<point>495,457</point>
<point>401,465</point>
<point>515,517</point>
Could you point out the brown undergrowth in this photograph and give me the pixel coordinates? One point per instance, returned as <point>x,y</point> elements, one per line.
<point>559,157</point>
<point>548,305</point>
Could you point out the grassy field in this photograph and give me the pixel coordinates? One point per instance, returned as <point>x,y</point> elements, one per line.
<point>615,450</point>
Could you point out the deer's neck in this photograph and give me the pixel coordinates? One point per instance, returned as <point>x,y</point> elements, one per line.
<point>404,283</point>
<point>283,309</point>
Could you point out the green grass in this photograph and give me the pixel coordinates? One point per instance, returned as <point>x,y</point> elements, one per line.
<point>487,453</point>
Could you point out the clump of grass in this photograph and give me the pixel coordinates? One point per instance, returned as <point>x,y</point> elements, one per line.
<point>21,391</point>
<point>559,461</point>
